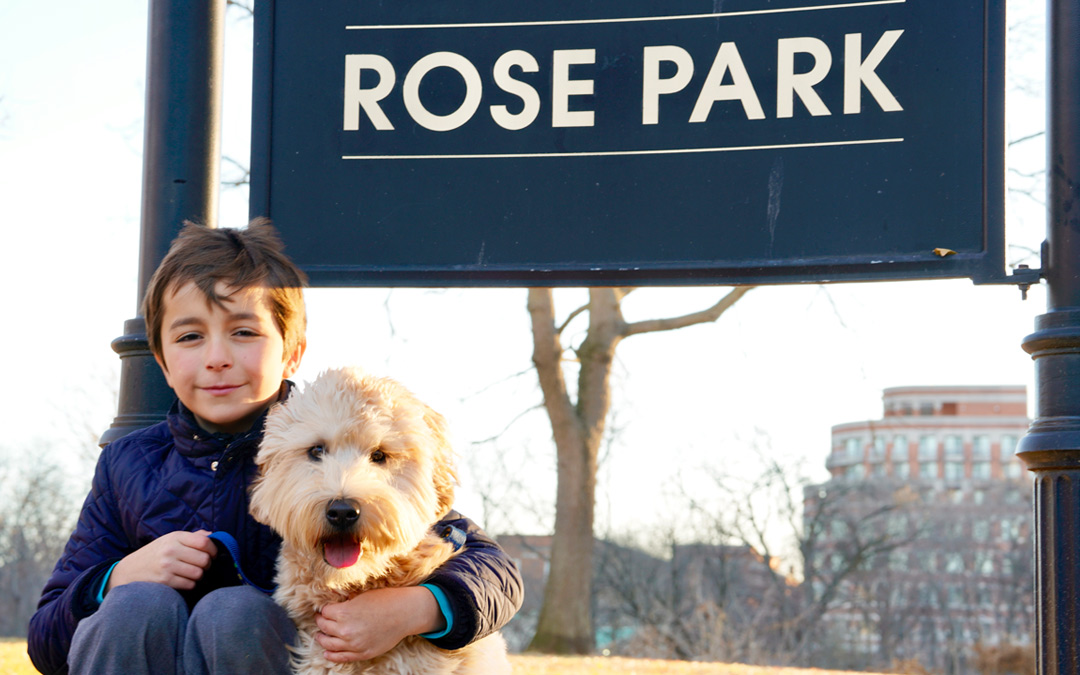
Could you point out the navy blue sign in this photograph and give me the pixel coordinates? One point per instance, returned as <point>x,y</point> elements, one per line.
<point>601,142</point>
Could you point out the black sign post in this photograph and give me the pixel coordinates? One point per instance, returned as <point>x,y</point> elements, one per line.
<point>1052,447</point>
<point>181,158</point>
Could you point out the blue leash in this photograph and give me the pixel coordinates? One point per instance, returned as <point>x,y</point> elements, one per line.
<point>229,542</point>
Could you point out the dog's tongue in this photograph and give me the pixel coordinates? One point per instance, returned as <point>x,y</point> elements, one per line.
<point>341,551</point>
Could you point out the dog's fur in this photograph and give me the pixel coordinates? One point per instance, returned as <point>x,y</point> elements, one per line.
<point>388,453</point>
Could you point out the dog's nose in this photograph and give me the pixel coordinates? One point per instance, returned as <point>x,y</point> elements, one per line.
<point>342,513</point>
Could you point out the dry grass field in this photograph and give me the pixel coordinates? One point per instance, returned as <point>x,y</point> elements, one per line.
<point>13,658</point>
<point>13,661</point>
<point>600,665</point>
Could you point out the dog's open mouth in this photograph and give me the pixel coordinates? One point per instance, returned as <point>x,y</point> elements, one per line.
<point>342,550</point>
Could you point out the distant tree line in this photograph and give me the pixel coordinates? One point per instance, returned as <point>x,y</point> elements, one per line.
<point>37,515</point>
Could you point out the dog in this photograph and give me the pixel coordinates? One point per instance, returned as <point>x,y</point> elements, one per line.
<point>354,472</point>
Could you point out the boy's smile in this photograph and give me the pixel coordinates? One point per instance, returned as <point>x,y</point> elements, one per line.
<point>226,364</point>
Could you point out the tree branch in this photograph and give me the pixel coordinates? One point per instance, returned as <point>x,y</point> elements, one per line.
<point>577,312</point>
<point>705,316</point>
<point>547,355</point>
<point>245,7</point>
<point>1026,138</point>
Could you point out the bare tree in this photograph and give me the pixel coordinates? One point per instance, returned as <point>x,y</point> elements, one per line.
<point>246,9</point>
<point>565,624</point>
<point>771,555</point>
<point>36,517</point>
<point>683,601</point>
<point>239,174</point>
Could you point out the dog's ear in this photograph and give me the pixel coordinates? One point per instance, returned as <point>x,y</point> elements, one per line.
<point>257,502</point>
<point>445,472</point>
<point>274,442</point>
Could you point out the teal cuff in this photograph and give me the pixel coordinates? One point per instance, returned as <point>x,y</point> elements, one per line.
<point>100,597</point>
<point>444,607</point>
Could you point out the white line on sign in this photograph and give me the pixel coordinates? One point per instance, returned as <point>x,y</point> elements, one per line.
<point>675,17</point>
<point>615,153</point>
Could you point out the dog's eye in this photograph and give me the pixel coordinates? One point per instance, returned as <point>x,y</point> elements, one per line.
<point>315,453</point>
<point>378,456</point>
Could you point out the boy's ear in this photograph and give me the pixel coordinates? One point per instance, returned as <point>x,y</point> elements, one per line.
<point>164,370</point>
<point>292,361</point>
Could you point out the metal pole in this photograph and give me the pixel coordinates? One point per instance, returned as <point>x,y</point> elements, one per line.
<point>181,158</point>
<point>1051,449</point>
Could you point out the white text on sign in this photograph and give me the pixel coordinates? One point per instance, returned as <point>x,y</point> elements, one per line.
<point>363,99</point>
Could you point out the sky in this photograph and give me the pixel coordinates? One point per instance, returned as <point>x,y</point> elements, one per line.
<point>774,373</point>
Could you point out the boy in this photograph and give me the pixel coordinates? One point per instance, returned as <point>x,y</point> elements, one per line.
<point>141,587</point>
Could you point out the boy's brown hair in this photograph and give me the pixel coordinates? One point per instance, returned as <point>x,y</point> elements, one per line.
<point>243,258</point>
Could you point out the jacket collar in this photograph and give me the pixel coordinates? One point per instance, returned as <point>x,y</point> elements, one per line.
<point>193,441</point>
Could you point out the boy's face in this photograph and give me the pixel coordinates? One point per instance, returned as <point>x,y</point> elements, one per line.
<point>225,364</point>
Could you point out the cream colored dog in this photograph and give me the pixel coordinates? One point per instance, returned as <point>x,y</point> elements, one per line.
<point>354,473</point>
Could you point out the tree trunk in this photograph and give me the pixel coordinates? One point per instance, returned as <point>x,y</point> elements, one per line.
<point>565,623</point>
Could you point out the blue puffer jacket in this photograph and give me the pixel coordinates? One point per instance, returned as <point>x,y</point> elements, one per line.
<point>175,476</point>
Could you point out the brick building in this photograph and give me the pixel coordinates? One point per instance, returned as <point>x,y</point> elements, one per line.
<point>951,504</point>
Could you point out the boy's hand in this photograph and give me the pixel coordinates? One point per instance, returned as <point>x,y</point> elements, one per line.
<point>176,559</point>
<point>372,623</point>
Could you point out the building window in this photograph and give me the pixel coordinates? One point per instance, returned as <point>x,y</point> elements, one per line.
<point>899,448</point>
<point>980,530</point>
<point>898,560</point>
<point>926,408</point>
<point>839,530</point>
<point>954,447</point>
<point>853,448</point>
<point>928,470</point>
<point>956,595</point>
<point>897,596</point>
<point>954,471</point>
<point>954,563</point>
<point>980,471</point>
<point>1010,529</point>
<point>980,448</point>
<point>1013,469</point>
<point>925,594</point>
<point>1008,448</point>
<point>877,450</point>
<point>897,527</point>
<point>928,448</point>
<point>902,469</point>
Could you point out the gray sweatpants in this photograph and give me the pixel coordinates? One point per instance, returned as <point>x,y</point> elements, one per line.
<point>144,629</point>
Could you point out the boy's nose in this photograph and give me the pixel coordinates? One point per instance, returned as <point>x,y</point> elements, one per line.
<point>218,355</point>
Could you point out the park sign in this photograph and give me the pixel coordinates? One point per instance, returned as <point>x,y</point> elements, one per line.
<point>619,142</point>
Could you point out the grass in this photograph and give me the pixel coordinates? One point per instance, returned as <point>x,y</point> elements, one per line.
<point>612,665</point>
<point>13,658</point>
<point>14,661</point>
